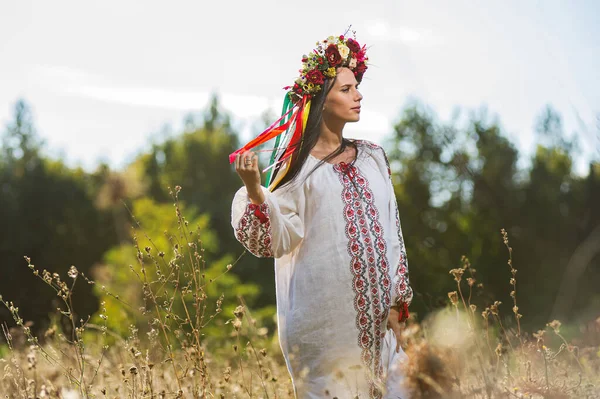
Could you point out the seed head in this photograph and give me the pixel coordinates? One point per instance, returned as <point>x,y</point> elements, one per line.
<point>494,307</point>
<point>73,272</point>
<point>239,312</point>
<point>555,325</point>
<point>453,297</point>
<point>457,273</point>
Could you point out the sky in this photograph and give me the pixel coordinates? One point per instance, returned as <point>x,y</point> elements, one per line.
<point>104,79</point>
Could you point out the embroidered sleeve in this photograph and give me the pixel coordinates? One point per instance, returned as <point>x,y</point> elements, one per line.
<point>254,230</point>
<point>402,292</point>
<point>271,229</point>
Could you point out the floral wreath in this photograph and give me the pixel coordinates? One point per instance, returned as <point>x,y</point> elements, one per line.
<point>331,53</point>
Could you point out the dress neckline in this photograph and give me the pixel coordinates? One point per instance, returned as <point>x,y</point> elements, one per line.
<point>356,142</point>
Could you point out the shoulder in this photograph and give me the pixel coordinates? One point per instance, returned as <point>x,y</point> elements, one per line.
<point>371,147</point>
<point>375,151</point>
<point>368,144</point>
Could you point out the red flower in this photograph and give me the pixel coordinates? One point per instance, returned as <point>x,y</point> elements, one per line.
<point>333,55</point>
<point>359,71</point>
<point>315,76</point>
<point>353,45</point>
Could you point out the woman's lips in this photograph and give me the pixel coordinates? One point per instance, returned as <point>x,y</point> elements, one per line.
<point>357,109</point>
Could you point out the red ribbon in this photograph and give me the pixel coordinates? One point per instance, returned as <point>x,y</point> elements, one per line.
<point>274,130</point>
<point>404,314</point>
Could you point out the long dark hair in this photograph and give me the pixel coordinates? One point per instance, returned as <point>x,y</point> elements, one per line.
<point>311,136</point>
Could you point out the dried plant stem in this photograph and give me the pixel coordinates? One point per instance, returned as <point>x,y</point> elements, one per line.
<point>513,282</point>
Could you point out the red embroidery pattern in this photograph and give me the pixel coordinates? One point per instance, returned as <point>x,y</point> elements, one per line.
<point>369,267</point>
<point>254,230</point>
<point>402,288</point>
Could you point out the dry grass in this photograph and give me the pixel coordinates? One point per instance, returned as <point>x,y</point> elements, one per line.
<point>458,352</point>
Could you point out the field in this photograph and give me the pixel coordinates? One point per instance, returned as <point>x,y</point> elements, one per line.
<point>183,344</point>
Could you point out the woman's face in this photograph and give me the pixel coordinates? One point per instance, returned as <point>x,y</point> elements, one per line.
<point>342,103</point>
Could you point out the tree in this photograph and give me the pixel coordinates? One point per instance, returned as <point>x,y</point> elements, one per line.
<point>48,214</point>
<point>197,160</point>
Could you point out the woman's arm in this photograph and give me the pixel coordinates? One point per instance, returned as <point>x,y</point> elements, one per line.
<point>267,224</point>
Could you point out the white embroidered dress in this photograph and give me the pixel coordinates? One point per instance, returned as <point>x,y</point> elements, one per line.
<point>340,263</point>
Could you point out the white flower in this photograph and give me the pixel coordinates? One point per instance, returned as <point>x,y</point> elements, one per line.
<point>343,50</point>
<point>352,63</point>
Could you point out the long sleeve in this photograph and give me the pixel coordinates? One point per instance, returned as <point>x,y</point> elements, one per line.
<point>402,292</point>
<point>271,229</point>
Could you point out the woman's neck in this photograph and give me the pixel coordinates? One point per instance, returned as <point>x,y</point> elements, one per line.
<point>330,138</point>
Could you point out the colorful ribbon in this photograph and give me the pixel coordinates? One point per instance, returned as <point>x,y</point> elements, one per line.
<point>285,144</point>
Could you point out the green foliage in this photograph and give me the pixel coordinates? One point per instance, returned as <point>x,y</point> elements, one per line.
<point>164,259</point>
<point>457,185</point>
<point>197,160</point>
<point>47,213</point>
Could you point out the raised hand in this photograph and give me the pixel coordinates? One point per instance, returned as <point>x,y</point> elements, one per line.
<point>246,166</point>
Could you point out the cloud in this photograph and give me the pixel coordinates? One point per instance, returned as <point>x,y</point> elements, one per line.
<point>76,82</point>
<point>381,30</point>
<point>246,109</point>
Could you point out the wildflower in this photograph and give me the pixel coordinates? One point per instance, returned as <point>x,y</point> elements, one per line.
<point>239,312</point>
<point>457,273</point>
<point>453,297</point>
<point>498,350</point>
<point>555,325</point>
<point>330,72</point>
<point>73,272</point>
<point>504,236</point>
<point>237,324</point>
<point>494,307</point>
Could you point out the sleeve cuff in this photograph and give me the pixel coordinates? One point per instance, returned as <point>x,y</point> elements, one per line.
<point>260,211</point>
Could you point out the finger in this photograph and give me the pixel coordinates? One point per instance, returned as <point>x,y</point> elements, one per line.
<point>248,160</point>
<point>237,161</point>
